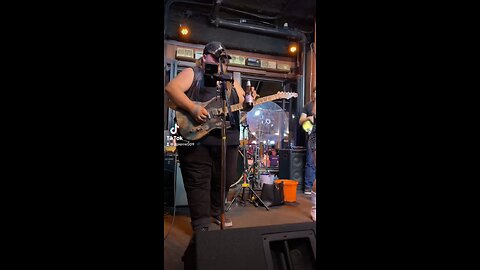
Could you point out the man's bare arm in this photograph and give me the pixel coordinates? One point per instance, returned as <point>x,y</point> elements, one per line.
<point>176,89</point>
<point>240,92</point>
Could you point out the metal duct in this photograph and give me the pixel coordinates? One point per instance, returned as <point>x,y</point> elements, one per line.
<point>286,33</point>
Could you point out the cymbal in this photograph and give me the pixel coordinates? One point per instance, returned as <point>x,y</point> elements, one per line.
<point>268,122</point>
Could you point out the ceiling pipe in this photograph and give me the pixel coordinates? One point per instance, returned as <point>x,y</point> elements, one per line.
<point>253,14</point>
<point>277,32</point>
<point>233,25</point>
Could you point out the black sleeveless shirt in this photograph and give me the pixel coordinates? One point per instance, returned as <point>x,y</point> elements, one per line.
<point>199,92</point>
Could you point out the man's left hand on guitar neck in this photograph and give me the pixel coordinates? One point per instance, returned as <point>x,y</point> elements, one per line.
<point>254,92</point>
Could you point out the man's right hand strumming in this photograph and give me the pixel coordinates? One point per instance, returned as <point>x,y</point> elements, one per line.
<point>199,114</point>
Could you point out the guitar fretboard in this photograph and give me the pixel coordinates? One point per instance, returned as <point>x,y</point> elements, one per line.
<point>239,106</point>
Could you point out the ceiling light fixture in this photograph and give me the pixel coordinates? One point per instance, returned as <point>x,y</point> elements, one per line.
<point>184,30</point>
<point>292,48</point>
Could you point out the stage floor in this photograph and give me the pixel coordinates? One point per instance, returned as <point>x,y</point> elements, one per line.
<point>241,216</point>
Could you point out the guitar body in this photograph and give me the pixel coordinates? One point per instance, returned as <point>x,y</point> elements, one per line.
<point>191,129</point>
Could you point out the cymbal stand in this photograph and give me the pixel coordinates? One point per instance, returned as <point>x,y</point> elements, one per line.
<point>256,166</point>
<point>246,185</point>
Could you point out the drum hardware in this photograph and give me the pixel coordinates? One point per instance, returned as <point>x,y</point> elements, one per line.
<point>266,124</point>
<point>247,179</point>
<point>269,123</point>
<point>248,155</point>
<point>251,165</point>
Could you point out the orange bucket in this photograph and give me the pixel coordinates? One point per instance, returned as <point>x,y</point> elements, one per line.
<point>289,189</point>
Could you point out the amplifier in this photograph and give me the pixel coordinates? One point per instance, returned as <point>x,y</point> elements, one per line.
<point>173,175</point>
<point>291,164</point>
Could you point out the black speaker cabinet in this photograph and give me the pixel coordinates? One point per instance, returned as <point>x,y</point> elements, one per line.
<point>292,165</point>
<point>172,174</point>
<point>288,246</point>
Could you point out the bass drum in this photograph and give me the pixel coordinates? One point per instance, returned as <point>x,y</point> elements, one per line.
<point>239,175</point>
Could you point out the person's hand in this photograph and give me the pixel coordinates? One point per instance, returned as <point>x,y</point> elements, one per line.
<point>311,118</point>
<point>253,92</point>
<point>199,114</point>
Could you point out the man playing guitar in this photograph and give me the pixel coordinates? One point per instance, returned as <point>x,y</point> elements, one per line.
<point>201,163</point>
<point>308,123</point>
<point>309,114</point>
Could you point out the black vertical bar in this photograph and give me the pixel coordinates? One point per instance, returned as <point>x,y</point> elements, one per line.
<point>283,262</point>
<point>287,253</point>
<point>291,127</point>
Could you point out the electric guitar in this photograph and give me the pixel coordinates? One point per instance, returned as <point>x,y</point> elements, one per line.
<point>307,126</point>
<point>192,130</point>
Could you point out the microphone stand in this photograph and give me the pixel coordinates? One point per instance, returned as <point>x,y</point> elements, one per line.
<point>226,108</point>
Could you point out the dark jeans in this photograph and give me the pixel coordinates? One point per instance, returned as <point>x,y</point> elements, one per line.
<point>310,167</point>
<point>201,172</point>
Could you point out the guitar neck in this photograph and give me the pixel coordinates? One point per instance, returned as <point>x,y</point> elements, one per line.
<point>239,106</point>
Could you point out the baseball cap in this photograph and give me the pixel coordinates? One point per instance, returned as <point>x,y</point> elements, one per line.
<point>216,49</point>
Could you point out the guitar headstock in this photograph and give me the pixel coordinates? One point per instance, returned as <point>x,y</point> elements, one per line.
<point>286,95</point>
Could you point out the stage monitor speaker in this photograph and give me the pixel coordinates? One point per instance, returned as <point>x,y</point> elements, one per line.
<point>291,165</point>
<point>172,174</point>
<point>288,246</point>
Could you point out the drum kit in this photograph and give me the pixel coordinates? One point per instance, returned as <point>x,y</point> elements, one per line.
<point>262,128</point>
<point>265,126</point>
